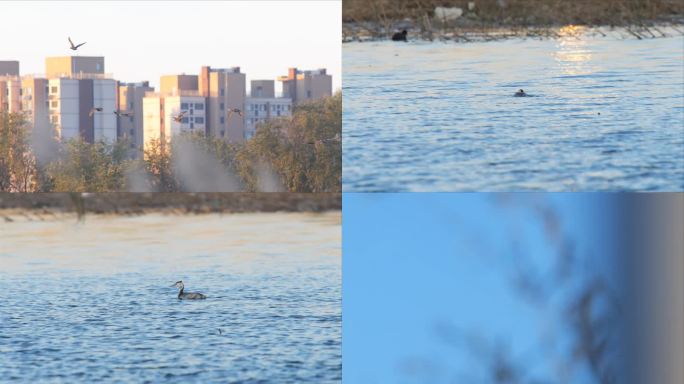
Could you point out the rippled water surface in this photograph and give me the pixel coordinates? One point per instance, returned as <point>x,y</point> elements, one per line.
<point>607,114</point>
<point>92,302</point>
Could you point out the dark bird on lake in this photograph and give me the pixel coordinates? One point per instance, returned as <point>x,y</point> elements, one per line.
<point>179,118</point>
<point>234,110</point>
<point>187,295</point>
<point>520,93</point>
<point>74,47</point>
<point>400,36</point>
<point>93,110</point>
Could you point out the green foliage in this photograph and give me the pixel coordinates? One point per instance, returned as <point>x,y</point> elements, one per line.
<point>304,150</point>
<point>86,167</point>
<point>17,164</point>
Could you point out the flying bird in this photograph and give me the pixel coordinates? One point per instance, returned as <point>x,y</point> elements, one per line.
<point>74,47</point>
<point>93,110</point>
<point>179,118</point>
<point>334,139</point>
<point>123,113</point>
<point>234,110</point>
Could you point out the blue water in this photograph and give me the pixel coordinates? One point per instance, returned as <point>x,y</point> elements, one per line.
<point>92,302</point>
<point>607,114</point>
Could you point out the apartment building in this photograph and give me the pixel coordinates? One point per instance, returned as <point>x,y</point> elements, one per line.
<point>159,112</point>
<point>73,66</point>
<point>10,93</point>
<point>225,89</point>
<point>71,102</point>
<point>262,105</point>
<point>130,101</point>
<point>9,68</point>
<point>34,101</point>
<point>302,86</point>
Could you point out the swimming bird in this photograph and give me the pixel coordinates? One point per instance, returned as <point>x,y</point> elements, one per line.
<point>74,47</point>
<point>400,36</point>
<point>187,295</point>
<point>234,110</point>
<point>520,93</point>
<point>93,110</point>
<point>178,118</point>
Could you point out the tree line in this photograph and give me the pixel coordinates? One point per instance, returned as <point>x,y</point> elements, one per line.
<point>301,153</point>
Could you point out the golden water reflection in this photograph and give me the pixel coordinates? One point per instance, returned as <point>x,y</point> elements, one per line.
<point>573,54</point>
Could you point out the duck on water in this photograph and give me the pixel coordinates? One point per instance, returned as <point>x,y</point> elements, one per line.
<point>520,93</point>
<point>400,36</point>
<point>187,295</point>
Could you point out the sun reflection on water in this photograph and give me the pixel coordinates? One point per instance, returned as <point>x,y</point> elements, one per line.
<point>573,54</point>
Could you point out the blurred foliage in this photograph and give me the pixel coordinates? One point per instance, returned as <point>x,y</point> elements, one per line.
<point>302,151</point>
<point>18,171</point>
<point>518,12</point>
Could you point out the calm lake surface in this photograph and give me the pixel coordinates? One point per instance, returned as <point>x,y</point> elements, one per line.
<point>607,114</point>
<point>92,302</point>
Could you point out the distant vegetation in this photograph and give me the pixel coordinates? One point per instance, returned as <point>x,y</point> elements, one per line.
<point>515,13</point>
<point>301,153</point>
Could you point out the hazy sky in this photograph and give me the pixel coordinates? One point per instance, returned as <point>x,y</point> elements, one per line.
<point>142,40</point>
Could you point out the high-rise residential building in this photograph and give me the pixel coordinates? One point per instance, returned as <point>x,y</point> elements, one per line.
<point>130,105</point>
<point>71,108</point>
<point>262,105</point>
<point>302,86</point>
<point>225,90</point>
<point>160,112</point>
<point>10,93</point>
<point>174,84</point>
<point>73,66</point>
<point>262,88</point>
<point>9,68</point>
<point>76,86</point>
<point>34,102</point>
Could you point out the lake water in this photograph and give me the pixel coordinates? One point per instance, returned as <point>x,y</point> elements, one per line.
<point>607,114</point>
<point>92,302</point>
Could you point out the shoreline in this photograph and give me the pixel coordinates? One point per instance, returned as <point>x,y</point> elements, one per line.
<point>41,206</point>
<point>374,32</point>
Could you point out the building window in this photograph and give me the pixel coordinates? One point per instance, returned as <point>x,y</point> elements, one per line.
<point>191,111</point>
<point>185,120</point>
<point>53,90</point>
<point>223,133</point>
<point>199,106</point>
<point>130,118</point>
<point>130,105</point>
<point>256,113</point>
<point>55,104</point>
<point>223,106</point>
<point>132,131</point>
<point>199,120</point>
<point>184,106</point>
<point>192,126</point>
<point>54,119</point>
<point>223,92</point>
<point>278,113</point>
<point>223,120</point>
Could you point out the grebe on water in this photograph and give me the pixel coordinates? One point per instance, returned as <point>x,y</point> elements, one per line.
<point>520,93</point>
<point>187,295</point>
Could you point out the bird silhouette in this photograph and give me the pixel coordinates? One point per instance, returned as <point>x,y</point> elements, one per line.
<point>179,118</point>
<point>74,47</point>
<point>123,113</point>
<point>234,110</point>
<point>334,139</point>
<point>93,110</point>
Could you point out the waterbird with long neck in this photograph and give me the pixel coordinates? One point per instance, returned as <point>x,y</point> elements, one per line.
<point>187,295</point>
